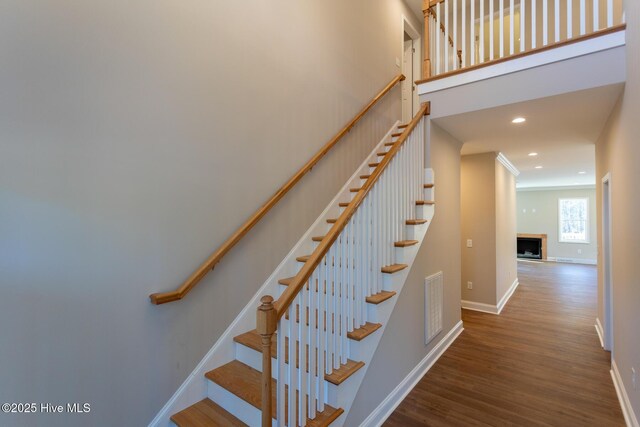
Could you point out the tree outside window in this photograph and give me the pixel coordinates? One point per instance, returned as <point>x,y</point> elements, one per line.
<point>573,215</point>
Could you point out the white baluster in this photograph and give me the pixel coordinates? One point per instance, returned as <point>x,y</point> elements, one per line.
<point>596,13</point>
<point>523,8</point>
<point>609,13</point>
<point>557,21</point>
<point>282,377</point>
<point>329,310</point>
<point>446,35</point>
<point>569,19</point>
<point>464,33</point>
<point>472,24</point>
<point>293,376</point>
<point>481,59</point>
<point>501,18</point>
<point>302,356</point>
<point>455,34</point>
<point>322,347</point>
<point>314,374</point>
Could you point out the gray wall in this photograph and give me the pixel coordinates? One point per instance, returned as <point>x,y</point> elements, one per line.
<point>618,153</point>
<point>134,137</point>
<point>402,346</point>
<point>478,222</point>
<point>545,221</point>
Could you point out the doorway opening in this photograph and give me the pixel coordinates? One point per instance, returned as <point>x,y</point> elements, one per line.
<point>410,65</point>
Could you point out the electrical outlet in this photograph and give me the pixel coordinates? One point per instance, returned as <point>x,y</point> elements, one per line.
<point>634,378</point>
<point>469,285</point>
<point>469,243</point>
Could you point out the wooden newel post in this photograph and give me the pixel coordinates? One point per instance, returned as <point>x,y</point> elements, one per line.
<point>267,322</point>
<point>426,63</point>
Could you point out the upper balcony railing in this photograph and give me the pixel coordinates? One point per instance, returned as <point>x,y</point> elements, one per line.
<point>482,31</point>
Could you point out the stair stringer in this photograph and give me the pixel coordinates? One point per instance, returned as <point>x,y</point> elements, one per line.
<point>195,387</point>
<point>364,350</point>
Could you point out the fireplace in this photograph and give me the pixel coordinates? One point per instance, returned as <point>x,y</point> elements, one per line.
<point>532,246</point>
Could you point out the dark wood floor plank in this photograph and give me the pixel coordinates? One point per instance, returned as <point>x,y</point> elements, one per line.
<point>539,363</point>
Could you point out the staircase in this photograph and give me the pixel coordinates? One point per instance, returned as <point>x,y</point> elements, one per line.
<point>339,312</point>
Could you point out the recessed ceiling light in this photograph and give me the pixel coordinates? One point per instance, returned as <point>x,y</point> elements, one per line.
<point>533,154</point>
<point>519,120</point>
<point>582,172</point>
<point>538,167</point>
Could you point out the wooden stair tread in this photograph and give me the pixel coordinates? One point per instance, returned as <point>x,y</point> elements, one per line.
<point>303,258</point>
<point>380,297</point>
<point>382,154</point>
<point>245,382</point>
<point>205,413</point>
<point>317,238</point>
<point>253,340</point>
<point>416,221</point>
<point>405,243</point>
<point>364,331</point>
<point>332,220</point>
<point>343,204</point>
<point>286,281</point>
<point>428,186</point>
<point>393,268</point>
<point>373,165</point>
<point>425,202</point>
<point>396,134</point>
<point>389,144</point>
<point>355,190</point>
<point>402,126</point>
<point>364,176</point>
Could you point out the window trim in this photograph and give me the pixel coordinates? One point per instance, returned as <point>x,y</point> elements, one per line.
<point>587,224</point>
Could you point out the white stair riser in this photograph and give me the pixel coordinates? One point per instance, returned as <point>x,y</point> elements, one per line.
<point>241,409</point>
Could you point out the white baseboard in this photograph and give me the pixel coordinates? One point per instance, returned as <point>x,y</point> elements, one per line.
<point>627,410</point>
<point>600,331</point>
<point>573,260</point>
<point>388,405</point>
<point>479,306</point>
<point>503,301</point>
<point>488,308</point>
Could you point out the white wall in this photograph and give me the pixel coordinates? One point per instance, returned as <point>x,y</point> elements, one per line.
<point>134,137</point>
<point>545,221</point>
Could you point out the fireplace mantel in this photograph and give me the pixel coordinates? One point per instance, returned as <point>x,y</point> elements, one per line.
<point>543,237</point>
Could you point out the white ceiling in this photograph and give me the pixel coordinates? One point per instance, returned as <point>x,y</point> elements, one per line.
<point>562,129</point>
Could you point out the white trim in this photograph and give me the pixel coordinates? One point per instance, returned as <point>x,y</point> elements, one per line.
<point>585,47</point>
<point>558,188</point>
<point>391,402</point>
<point>627,410</point>
<point>573,260</point>
<point>489,308</point>
<point>507,164</point>
<point>479,306</point>
<point>503,301</point>
<point>600,332</point>
<point>587,238</point>
<point>408,27</point>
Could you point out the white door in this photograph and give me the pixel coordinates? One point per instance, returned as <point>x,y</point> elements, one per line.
<point>407,84</point>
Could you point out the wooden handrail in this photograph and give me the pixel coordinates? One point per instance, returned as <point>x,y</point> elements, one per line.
<point>210,263</point>
<point>300,279</point>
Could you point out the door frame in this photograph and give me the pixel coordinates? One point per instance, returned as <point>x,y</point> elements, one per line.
<point>414,34</point>
<point>607,276</point>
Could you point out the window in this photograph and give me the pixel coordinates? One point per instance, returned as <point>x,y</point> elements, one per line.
<point>573,220</point>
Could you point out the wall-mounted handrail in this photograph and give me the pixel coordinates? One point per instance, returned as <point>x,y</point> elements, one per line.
<point>210,263</point>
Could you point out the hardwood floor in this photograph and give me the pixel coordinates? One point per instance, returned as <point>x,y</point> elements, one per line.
<point>539,363</point>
